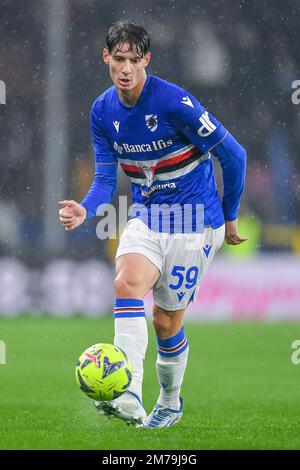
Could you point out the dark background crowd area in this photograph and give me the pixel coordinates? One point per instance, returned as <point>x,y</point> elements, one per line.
<point>238,58</point>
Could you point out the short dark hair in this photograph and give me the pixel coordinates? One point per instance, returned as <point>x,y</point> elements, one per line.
<point>128,32</point>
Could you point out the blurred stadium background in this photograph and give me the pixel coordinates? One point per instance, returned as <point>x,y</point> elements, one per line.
<point>240,62</point>
<point>241,387</point>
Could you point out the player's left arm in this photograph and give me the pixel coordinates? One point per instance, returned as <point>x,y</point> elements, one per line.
<point>232,157</point>
<point>209,135</point>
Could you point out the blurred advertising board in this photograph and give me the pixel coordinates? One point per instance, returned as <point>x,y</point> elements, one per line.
<point>263,288</point>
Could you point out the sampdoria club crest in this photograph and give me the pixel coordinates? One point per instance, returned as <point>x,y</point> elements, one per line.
<point>151,122</point>
<point>148,172</point>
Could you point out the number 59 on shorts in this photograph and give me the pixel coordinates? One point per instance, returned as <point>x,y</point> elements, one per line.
<point>188,277</point>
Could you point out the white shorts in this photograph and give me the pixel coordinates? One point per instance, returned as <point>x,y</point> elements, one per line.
<point>181,258</point>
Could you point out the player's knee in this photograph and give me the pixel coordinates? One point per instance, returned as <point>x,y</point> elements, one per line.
<point>125,287</point>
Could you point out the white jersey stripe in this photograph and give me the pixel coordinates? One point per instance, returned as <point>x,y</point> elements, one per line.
<point>172,174</point>
<point>129,161</point>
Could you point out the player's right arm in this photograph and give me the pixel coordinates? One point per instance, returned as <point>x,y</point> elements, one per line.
<point>104,184</point>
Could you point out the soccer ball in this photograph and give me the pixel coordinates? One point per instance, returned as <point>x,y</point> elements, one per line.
<point>103,372</point>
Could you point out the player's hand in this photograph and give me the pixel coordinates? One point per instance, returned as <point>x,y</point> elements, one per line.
<point>231,233</point>
<point>72,214</point>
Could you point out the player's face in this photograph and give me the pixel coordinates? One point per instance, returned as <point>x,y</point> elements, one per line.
<point>126,68</point>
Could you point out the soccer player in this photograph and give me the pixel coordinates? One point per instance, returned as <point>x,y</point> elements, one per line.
<point>163,139</point>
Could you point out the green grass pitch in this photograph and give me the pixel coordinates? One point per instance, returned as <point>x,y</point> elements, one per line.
<point>241,390</point>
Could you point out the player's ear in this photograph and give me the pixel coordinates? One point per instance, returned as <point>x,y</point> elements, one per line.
<point>147,58</point>
<point>105,55</point>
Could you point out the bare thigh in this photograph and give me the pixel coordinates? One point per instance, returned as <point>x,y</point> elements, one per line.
<point>135,275</point>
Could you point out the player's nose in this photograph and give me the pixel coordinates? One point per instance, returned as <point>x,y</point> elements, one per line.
<point>126,67</point>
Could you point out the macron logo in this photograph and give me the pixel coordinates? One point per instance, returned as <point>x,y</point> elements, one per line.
<point>117,125</point>
<point>180,296</point>
<point>186,100</point>
<point>206,250</point>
